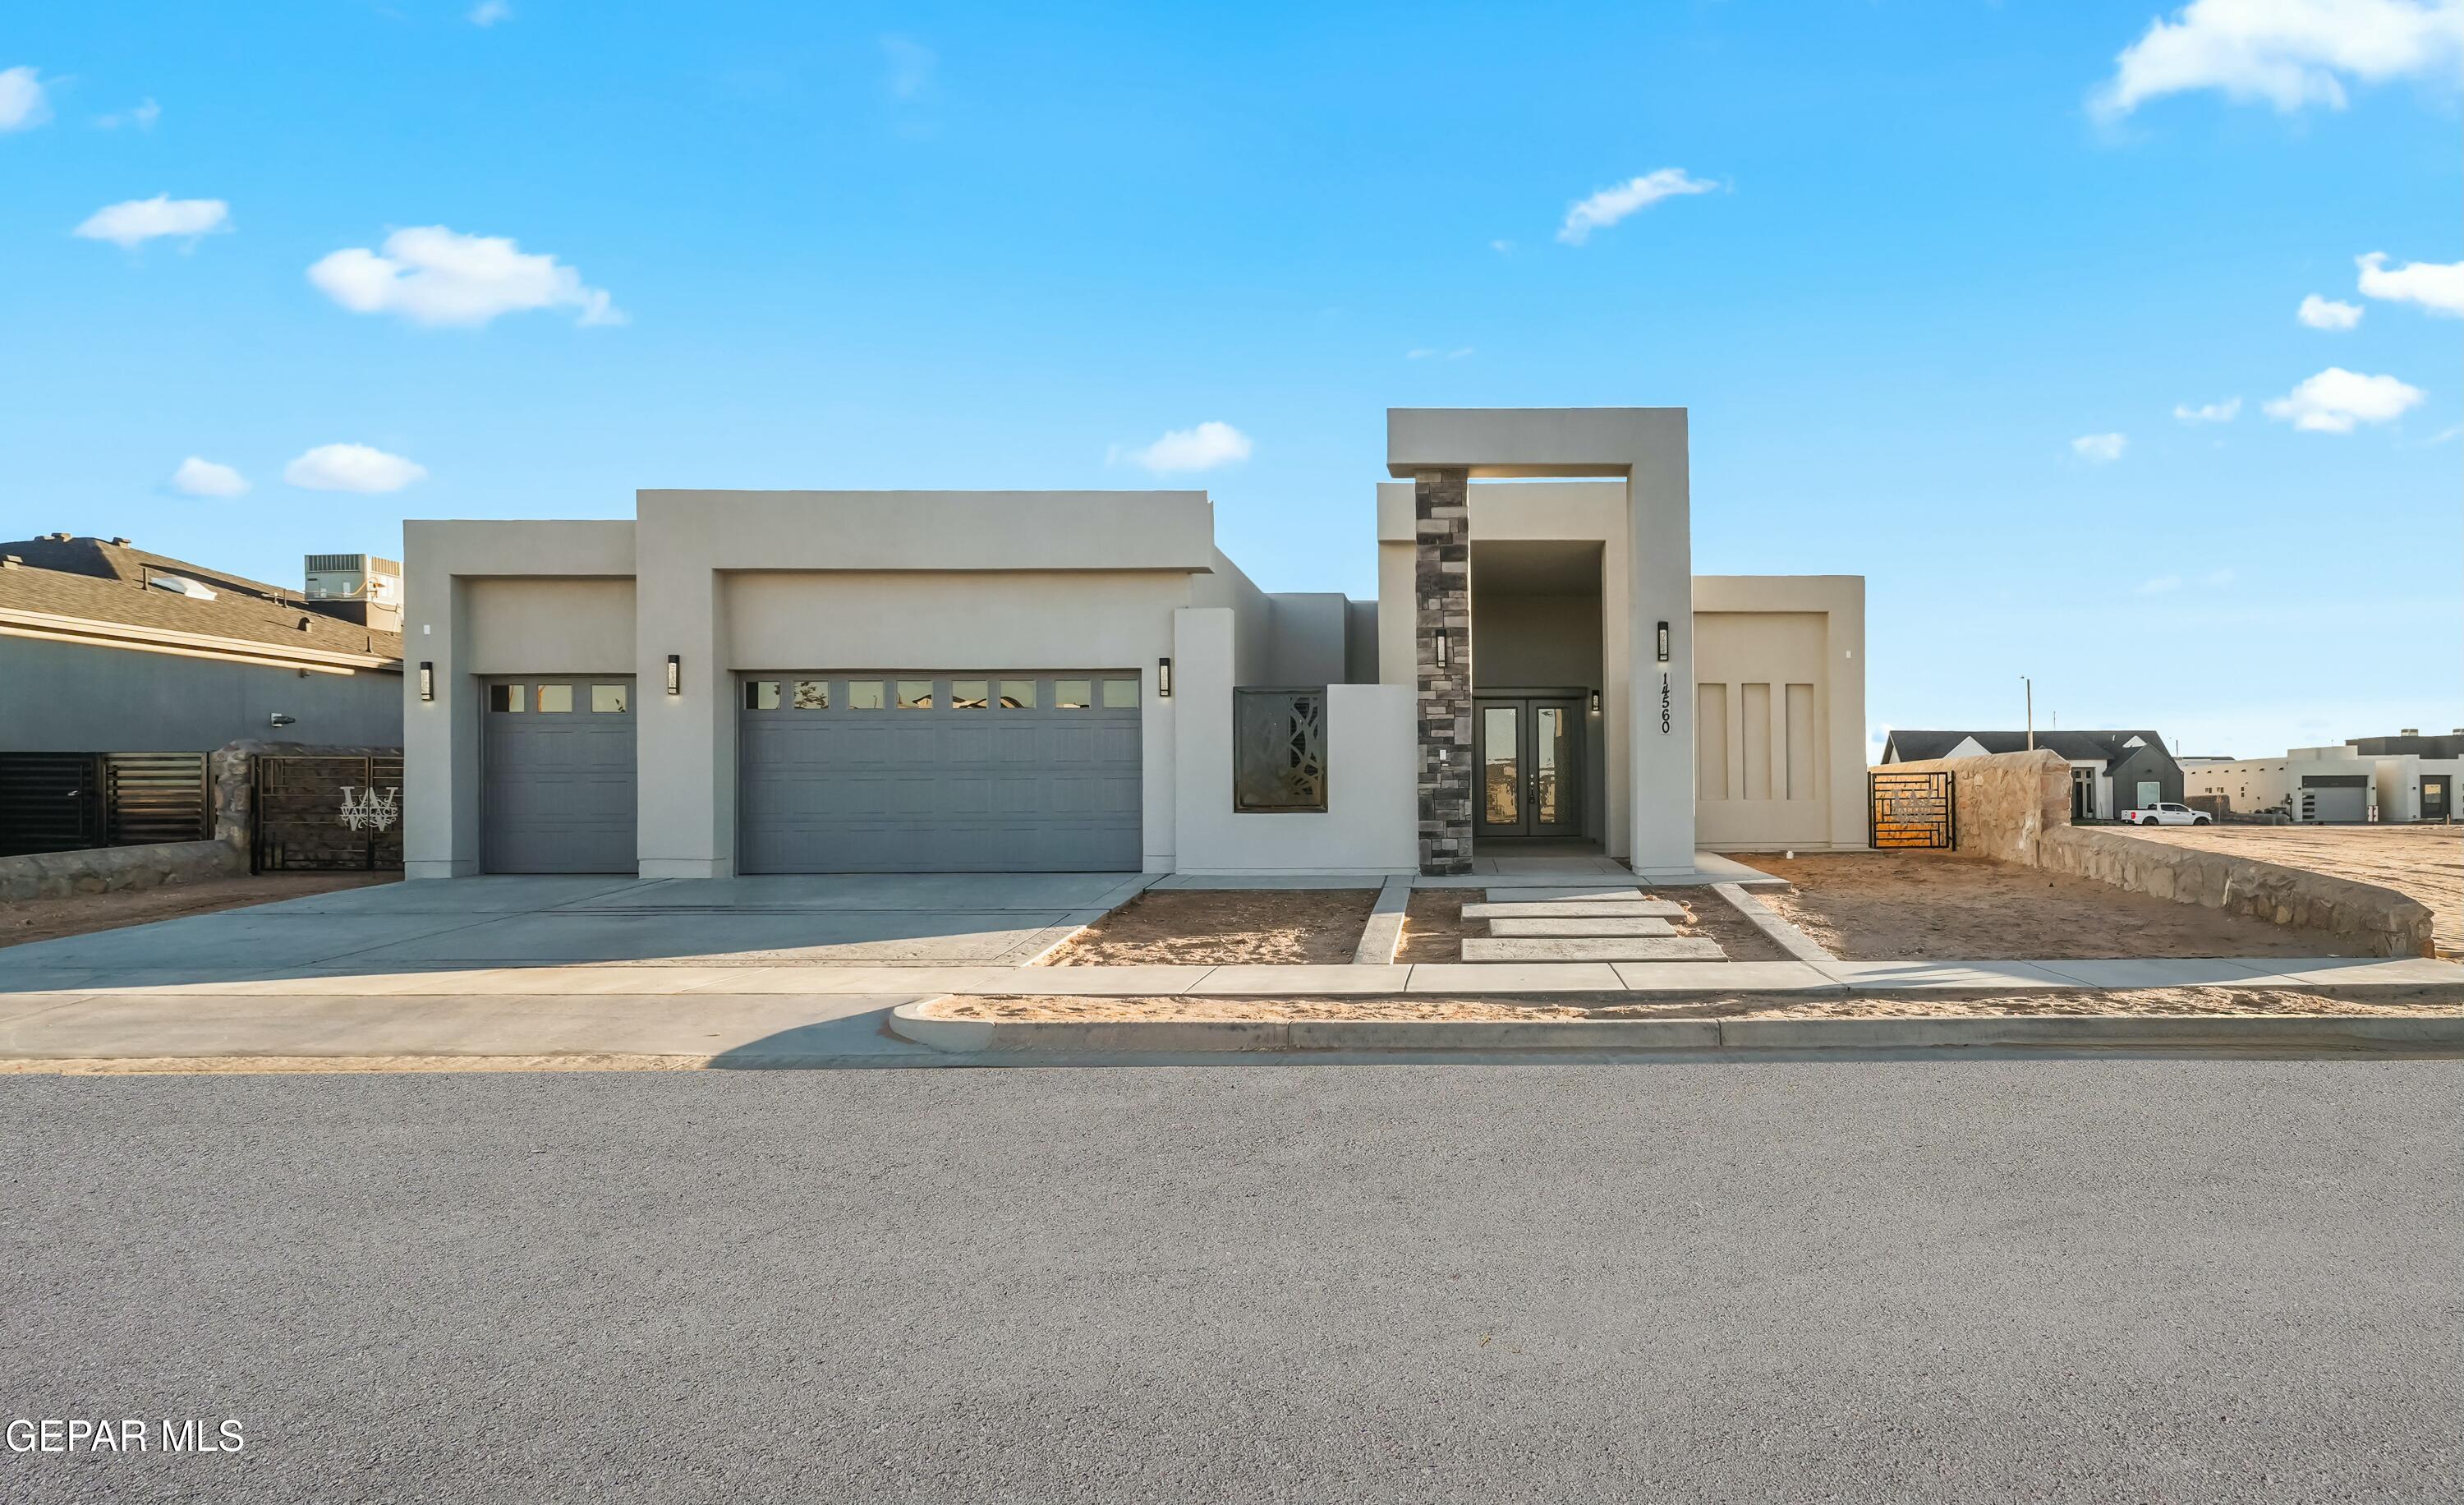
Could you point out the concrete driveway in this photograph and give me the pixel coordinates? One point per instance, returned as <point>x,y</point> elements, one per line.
<point>929,919</point>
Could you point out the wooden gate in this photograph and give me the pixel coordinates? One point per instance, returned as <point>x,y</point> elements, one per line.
<point>325,812</point>
<point>1912,811</point>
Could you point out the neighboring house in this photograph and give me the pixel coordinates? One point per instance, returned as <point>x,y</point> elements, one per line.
<point>2407,777</point>
<point>106,648</point>
<point>2110,771</point>
<point>737,682</point>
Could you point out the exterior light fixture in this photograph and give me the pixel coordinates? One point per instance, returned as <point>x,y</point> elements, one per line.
<point>1163,679</point>
<point>675,673</point>
<point>1595,702</point>
<point>1663,642</point>
<point>1446,650</point>
<point>426,680</point>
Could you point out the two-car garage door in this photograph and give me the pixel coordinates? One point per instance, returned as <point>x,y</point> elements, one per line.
<point>938,772</point>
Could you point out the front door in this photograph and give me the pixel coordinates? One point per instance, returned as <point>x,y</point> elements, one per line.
<point>2434,798</point>
<point>1530,778</point>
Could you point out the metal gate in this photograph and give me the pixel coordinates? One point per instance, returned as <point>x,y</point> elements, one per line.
<point>1912,811</point>
<point>69,801</point>
<point>325,812</point>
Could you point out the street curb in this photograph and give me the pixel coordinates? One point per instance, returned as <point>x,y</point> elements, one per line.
<point>2233,1031</point>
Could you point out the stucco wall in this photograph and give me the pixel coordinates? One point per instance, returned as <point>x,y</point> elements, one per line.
<point>1370,822</point>
<point>81,697</point>
<point>547,625</point>
<point>2016,808</point>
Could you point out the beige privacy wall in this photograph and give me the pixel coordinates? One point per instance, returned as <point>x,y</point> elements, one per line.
<point>2016,808</point>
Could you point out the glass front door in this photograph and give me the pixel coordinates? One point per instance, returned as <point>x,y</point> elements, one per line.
<point>1530,768</point>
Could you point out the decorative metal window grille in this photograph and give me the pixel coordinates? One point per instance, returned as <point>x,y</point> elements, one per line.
<point>1279,749</point>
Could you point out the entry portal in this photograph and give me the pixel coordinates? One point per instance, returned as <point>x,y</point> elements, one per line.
<point>1530,778</point>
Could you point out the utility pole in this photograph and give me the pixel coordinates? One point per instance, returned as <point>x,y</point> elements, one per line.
<point>2032,711</point>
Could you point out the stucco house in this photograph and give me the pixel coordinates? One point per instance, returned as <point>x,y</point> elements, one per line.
<point>2405,778</point>
<point>2110,771</point>
<point>789,681</point>
<point>105,646</point>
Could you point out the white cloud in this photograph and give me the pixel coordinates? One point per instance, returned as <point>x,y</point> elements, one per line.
<point>200,478</point>
<point>351,467</point>
<point>488,13</point>
<point>2335,401</point>
<point>2100,449</point>
<point>142,116</point>
<point>912,64</point>
<point>1613,204</point>
<point>23,103</point>
<point>431,275</point>
<point>2436,286</point>
<point>2225,411</point>
<point>1201,448</point>
<point>2160,585</point>
<point>2327,312</point>
<point>2287,53</point>
<point>1504,248</point>
<point>140,220</point>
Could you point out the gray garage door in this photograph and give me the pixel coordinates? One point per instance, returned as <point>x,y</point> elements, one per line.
<point>557,760</point>
<point>2335,798</point>
<point>938,772</point>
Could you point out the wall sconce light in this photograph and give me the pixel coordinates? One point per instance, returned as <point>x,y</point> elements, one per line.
<point>675,674</point>
<point>426,680</point>
<point>1163,679</point>
<point>1663,642</point>
<point>1595,702</point>
<point>1446,650</point>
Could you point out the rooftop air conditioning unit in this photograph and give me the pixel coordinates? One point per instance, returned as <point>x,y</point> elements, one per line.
<point>357,587</point>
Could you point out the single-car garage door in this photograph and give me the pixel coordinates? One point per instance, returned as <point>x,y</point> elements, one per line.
<point>2335,798</point>
<point>938,772</point>
<point>558,762</point>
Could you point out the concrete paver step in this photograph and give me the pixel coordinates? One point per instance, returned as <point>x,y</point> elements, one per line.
<point>1575,909</point>
<point>1594,949</point>
<point>1619,925</point>
<point>1606,891</point>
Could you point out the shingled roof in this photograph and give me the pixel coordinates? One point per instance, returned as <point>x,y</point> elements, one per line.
<point>2106,748</point>
<point>103,590</point>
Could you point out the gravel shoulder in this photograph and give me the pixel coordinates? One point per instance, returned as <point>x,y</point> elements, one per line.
<point>1900,907</point>
<point>84,914</point>
<point>2426,862</point>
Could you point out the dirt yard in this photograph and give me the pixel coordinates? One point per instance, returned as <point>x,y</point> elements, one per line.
<point>83,914</point>
<point>2426,862</point>
<point>1220,927</point>
<point>2438,1001</point>
<point>1433,926</point>
<point>1901,907</point>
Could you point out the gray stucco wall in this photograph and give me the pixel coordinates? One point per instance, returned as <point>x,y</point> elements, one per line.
<point>78,698</point>
<point>2145,763</point>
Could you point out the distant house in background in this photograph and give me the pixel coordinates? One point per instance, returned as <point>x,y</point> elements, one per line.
<point>106,648</point>
<point>2130,768</point>
<point>2407,777</point>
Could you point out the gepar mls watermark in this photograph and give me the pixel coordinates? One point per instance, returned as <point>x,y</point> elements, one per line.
<point>124,1434</point>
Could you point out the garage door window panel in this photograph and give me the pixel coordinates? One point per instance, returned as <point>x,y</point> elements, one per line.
<point>866,694</point>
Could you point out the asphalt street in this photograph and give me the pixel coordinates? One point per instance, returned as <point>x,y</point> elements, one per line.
<point>2073,1279</point>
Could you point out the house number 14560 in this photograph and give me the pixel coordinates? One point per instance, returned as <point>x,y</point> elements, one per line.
<point>1664,702</point>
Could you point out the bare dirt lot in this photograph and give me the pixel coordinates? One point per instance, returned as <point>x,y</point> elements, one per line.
<point>2131,1002</point>
<point>83,914</point>
<point>1222,927</point>
<point>1433,926</point>
<point>1901,907</point>
<point>2426,862</point>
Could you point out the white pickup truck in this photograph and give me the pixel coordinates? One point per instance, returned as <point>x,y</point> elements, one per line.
<point>2162,813</point>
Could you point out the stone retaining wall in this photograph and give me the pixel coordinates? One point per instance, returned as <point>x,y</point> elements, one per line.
<point>2016,808</point>
<point>99,870</point>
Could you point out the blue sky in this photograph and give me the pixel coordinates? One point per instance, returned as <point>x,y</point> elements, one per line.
<point>1941,254</point>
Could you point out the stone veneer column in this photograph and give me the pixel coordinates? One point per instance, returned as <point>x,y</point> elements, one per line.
<point>1442,596</point>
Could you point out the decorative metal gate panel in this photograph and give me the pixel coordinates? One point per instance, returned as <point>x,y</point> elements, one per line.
<point>156,797</point>
<point>1912,811</point>
<point>325,812</point>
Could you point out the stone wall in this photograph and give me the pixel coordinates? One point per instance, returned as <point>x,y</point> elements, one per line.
<point>2016,808</point>
<point>100,869</point>
<point>1442,596</point>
